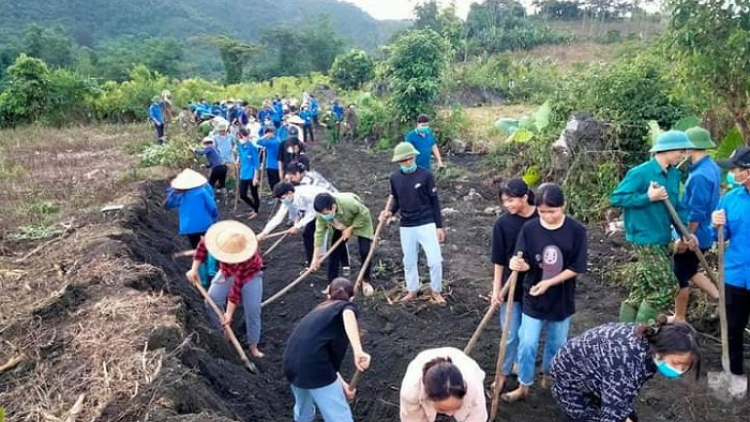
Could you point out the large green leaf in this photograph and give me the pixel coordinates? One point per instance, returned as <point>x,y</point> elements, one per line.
<point>543,116</point>
<point>654,131</point>
<point>731,142</point>
<point>687,122</point>
<point>532,176</point>
<point>527,122</point>
<point>507,125</point>
<point>521,135</point>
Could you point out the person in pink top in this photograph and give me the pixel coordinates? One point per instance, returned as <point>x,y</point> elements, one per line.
<point>444,381</point>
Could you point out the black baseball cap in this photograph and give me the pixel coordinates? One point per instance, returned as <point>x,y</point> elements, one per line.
<point>739,158</point>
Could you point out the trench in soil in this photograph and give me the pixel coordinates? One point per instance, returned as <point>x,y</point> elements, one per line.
<point>202,379</point>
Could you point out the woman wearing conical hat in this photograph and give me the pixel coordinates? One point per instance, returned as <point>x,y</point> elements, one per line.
<point>191,193</point>
<point>240,276</point>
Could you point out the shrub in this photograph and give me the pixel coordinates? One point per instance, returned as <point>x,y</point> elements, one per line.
<point>352,70</point>
<point>174,154</point>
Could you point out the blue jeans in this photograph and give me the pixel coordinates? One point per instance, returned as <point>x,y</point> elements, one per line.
<point>252,294</point>
<point>330,400</point>
<point>529,333</point>
<point>411,239</point>
<point>511,349</point>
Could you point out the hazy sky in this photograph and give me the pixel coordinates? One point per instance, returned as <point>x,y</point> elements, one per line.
<point>402,9</point>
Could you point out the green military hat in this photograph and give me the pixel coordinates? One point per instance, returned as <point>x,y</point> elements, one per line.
<point>672,140</point>
<point>700,138</point>
<point>404,151</point>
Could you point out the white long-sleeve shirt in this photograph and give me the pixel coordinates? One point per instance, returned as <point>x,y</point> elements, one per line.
<point>304,200</point>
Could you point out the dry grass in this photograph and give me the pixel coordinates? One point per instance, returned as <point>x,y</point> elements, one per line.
<point>566,55</point>
<point>52,172</point>
<point>482,134</point>
<point>592,28</point>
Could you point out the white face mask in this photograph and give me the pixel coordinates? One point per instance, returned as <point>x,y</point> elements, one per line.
<point>290,150</point>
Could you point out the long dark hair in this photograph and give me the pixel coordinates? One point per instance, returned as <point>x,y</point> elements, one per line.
<point>341,289</point>
<point>517,188</point>
<point>442,380</point>
<point>679,337</point>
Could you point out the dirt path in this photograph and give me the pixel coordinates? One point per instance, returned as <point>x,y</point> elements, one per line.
<point>198,376</point>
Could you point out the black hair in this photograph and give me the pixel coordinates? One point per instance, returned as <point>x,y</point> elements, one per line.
<point>423,118</point>
<point>551,195</point>
<point>282,188</point>
<point>341,289</point>
<point>244,132</point>
<point>442,379</point>
<point>305,161</point>
<point>269,130</point>
<point>292,142</point>
<point>517,188</point>
<point>679,337</point>
<point>324,201</point>
<point>295,167</point>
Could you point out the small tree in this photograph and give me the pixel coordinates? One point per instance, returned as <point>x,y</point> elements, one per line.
<point>710,39</point>
<point>28,91</point>
<point>415,65</point>
<point>353,69</point>
<point>234,55</point>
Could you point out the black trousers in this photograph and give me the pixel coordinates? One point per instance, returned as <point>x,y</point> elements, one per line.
<point>218,177</point>
<point>273,178</point>
<point>159,133</point>
<point>307,133</point>
<point>253,203</point>
<point>738,314</point>
<point>308,239</point>
<point>194,239</point>
<point>341,254</point>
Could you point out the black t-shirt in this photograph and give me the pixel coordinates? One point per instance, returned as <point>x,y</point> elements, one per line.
<point>548,253</point>
<point>287,157</point>
<point>317,346</point>
<point>504,236</point>
<point>416,196</point>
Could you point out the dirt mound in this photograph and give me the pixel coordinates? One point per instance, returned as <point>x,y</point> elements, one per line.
<point>124,330</point>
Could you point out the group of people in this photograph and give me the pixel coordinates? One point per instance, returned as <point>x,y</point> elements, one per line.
<point>596,376</point>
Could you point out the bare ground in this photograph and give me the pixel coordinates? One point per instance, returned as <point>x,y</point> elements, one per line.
<point>104,317</point>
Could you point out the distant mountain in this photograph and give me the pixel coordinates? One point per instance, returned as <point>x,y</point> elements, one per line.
<point>91,22</point>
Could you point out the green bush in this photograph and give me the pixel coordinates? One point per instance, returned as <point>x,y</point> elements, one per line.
<point>451,125</point>
<point>175,154</point>
<point>352,70</point>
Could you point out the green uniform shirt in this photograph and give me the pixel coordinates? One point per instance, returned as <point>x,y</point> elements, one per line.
<point>350,212</point>
<point>205,128</point>
<point>646,222</point>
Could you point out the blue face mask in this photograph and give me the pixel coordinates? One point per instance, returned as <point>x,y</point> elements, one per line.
<point>668,370</point>
<point>328,217</point>
<point>287,202</point>
<point>409,169</point>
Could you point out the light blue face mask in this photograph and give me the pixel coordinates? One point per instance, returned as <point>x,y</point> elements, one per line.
<point>409,169</point>
<point>668,370</point>
<point>287,202</point>
<point>732,181</point>
<point>328,217</point>
<point>423,129</point>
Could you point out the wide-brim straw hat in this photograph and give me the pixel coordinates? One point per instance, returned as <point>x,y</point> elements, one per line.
<point>188,179</point>
<point>231,242</point>
<point>296,120</point>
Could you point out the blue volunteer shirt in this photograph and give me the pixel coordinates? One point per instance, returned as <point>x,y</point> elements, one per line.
<point>307,117</point>
<point>702,192</point>
<point>272,146</point>
<point>156,113</point>
<point>423,142</point>
<point>249,160</point>
<point>314,107</point>
<point>212,155</point>
<point>338,110</point>
<point>736,204</point>
<point>197,208</point>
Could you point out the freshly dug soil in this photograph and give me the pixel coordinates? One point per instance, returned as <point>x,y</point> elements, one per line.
<point>202,379</point>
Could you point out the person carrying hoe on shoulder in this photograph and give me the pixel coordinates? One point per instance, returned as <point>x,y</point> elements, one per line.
<point>415,195</point>
<point>598,375</point>
<point>314,353</point>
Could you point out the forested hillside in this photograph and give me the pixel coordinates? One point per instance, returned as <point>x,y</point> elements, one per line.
<point>92,22</point>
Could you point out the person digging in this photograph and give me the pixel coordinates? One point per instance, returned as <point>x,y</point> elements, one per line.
<point>733,217</point>
<point>702,191</point>
<point>342,215</point>
<point>415,196</point>
<point>240,276</point>
<point>648,226</point>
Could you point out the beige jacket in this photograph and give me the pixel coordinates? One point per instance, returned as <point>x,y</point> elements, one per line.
<point>416,407</point>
